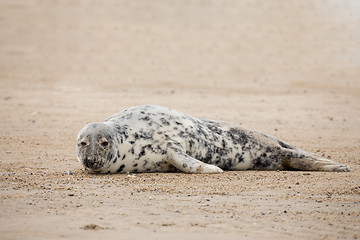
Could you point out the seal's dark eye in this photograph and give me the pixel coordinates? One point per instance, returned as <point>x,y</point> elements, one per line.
<point>105,144</point>
<point>83,143</point>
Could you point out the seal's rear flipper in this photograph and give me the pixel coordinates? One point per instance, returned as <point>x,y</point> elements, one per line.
<point>313,163</point>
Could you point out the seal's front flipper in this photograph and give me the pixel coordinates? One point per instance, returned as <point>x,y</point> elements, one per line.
<point>309,162</point>
<point>185,163</point>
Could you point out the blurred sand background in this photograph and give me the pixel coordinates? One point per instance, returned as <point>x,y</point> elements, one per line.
<point>287,68</point>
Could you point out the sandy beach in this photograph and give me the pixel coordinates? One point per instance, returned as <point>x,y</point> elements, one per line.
<point>287,68</point>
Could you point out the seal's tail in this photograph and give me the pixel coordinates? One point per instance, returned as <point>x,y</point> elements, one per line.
<point>298,159</point>
<point>311,162</point>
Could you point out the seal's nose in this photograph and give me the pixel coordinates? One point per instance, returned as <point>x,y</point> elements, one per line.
<point>89,162</point>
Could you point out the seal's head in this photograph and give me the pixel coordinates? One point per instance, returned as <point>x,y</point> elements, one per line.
<point>94,146</point>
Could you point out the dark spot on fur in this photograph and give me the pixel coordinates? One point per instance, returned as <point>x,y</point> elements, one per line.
<point>145,162</point>
<point>191,143</point>
<point>160,150</point>
<point>239,158</point>
<point>238,137</point>
<point>227,164</point>
<point>260,163</point>
<point>121,168</point>
<point>214,128</point>
<point>109,156</point>
<point>208,156</point>
<point>164,122</point>
<point>142,152</point>
<point>269,149</point>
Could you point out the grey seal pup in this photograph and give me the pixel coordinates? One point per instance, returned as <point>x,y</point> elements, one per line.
<point>159,139</point>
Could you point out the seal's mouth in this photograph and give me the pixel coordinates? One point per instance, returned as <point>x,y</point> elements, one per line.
<point>92,170</point>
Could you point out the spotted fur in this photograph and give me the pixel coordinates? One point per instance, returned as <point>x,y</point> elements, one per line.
<point>158,139</point>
